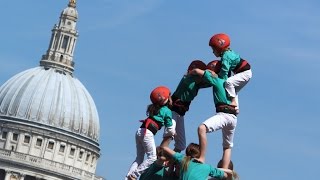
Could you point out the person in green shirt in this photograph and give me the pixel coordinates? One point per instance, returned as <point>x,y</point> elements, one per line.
<point>182,97</point>
<point>225,119</point>
<point>158,170</point>
<point>235,175</point>
<point>158,115</point>
<point>191,168</point>
<point>230,62</point>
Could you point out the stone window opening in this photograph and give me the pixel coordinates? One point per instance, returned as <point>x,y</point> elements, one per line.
<point>26,139</point>
<point>15,136</point>
<point>4,134</point>
<point>39,142</point>
<point>62,148</point>
<point>81,154</point>
<point>92,161</point>
<point>88,157</point>
<point>72,151</point>
<point>50,145</point>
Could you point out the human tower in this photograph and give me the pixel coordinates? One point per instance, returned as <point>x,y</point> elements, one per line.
<point>226,76</point>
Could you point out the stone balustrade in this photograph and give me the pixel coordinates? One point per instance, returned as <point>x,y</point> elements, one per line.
<point>46,165</point>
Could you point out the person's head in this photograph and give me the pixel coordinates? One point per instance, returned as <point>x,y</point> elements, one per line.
<point>214,66</point>
<point>197,64</point>
<point>160,95</point>
<point>219,165</point>
<point>219,43</point>
<point>162,155</point>
<point>192,151</point>
<point>235,174</point>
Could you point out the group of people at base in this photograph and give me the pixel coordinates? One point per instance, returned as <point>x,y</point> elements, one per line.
<point>226,76</point>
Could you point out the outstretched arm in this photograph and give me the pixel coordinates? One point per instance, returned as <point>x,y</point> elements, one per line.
<point>166,141</point>
<point>168,151</point>
<point>227,173</point>
<point>201,72</point>
<point>197,71</point>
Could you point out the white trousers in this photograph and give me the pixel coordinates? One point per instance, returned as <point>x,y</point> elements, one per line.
<point>180,137</point>
<point>236,82</point>
<point>227,123</point>
<point>145,144</point>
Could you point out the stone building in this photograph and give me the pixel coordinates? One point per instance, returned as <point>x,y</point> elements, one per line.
<point>49,124</point>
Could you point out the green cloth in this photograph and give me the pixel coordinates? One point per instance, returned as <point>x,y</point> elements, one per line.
<point>187,88</point>
<point>197,170</point>
<point>164,117</point>
<point>229,61</point>
<point>156,172</point>
<point>218,90</point>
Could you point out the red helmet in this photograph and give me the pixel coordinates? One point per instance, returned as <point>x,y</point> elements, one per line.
<point>160,95</point>
<point>197,64</point>
<point>219,42</point>
<point>214,65</point>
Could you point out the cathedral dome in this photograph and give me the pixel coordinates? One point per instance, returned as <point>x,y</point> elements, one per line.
<point>51,98</point>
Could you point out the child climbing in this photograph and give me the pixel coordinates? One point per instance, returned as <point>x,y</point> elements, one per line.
<point>230,61</point>
<point>225,118</point>
<point>182,97</point>
<point>158,115</point>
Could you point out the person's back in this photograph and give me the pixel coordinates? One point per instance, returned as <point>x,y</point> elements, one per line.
<point>190,168</point>
<point>158,115</point>
<point>225,119</point>
<point>182,97</point>
<point>197,170</point>
<point>158,171</point>
<point>230,62</point>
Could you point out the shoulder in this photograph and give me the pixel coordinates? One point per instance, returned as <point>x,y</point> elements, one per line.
<point>230,55</point>
<point>164,110</point>
<point>178,156</point>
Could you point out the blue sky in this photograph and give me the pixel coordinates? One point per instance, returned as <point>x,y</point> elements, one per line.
<point>126,48</point>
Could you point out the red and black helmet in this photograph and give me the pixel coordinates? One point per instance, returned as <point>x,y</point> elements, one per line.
<point>219,42</point>
<point>214,66</point>
<point>197,64</point>
<point>160,95</point>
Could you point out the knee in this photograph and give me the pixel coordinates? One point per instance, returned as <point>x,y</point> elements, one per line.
<point>202,129</point>
<point>228,83</point>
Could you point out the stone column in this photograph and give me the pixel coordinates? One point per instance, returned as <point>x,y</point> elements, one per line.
<point>8,175</point>
<point>22,176</point>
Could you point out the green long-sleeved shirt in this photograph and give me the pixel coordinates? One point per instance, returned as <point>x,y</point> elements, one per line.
<point>164,117</point>
<point>156,172</point>
<point>187,88</point>
<point>229,61</point>
<point>197,170</point>
<point>218,90</point>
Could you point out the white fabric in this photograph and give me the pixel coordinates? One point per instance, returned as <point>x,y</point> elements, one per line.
<point>236,82</point>
<point>145,144</point>
<point>180,137</point>
<point>170,131</point>
<point>227,123</point>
